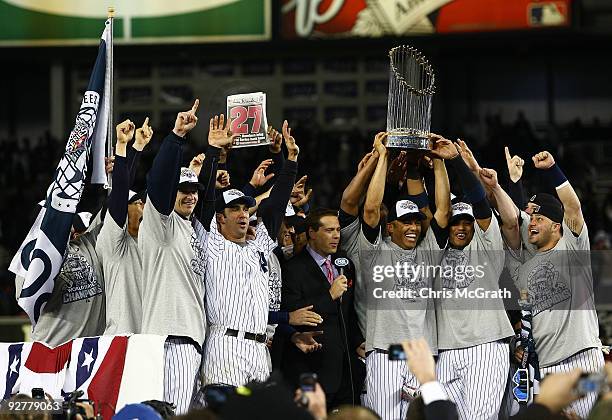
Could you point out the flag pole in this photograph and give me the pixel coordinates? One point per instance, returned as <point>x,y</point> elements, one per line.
<point>109,128</point>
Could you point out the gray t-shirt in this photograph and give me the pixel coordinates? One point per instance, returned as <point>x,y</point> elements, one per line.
<point>172,251</point>
<point>465,317</point>
<point>391,319</point>
<point>349,244</point>
<point>120,258</point>
<point>76,307</point>
<point>560,287</point>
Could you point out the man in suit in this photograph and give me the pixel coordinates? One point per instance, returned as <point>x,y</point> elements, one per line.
<point>318,276</point>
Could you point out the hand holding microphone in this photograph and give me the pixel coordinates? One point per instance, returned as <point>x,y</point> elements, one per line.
<point>338,287</point>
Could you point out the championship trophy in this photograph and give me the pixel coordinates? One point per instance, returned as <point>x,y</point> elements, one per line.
<point>411,87</point>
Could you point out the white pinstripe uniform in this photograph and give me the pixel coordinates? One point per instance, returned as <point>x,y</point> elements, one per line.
<point>237,297</point>
<point>565,325</point>
<point>473,362</point>
<point>390,321</point>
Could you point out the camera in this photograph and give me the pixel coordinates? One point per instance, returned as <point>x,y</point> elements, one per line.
<point>308,382</point>
<point>396,352</point>
<point>591,382</point>
<point>72,408</point>
<point>38,393</point>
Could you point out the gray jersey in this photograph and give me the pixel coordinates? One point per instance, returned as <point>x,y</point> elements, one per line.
<point>560,286</point>
<point>76,307</point>
<point>393,319</point>
<point>349,244</point>
<point>172,253</point>
<point>122,266</point>
<point>465,321</point>
<point>237,281</point>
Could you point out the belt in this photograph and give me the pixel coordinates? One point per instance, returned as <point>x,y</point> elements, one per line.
<point>260,338</point>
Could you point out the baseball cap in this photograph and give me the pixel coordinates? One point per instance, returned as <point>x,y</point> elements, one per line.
<point>188,181</point>
<point>135,196</point>
<point>461,210</point>
<point>547,205</point>
<point>405,210</point>
<point>231,197</point>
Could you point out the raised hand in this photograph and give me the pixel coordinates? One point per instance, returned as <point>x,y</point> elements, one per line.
<point>125,132</point>
<point>219,133</point>
<point>298,195</point>
<point>364,161</point>
<point>305,341</point>
<point>259,177</point>
<point>467,156</point>
<point>292,148</point>
<point>397,168</point>
<point>276,140</point>
<point>380,143</point>
<point>223,179</point>
<point>143,135</point>
<point>419,359</point>
<point>515,165</point>
<point>543,160</point>
<point>185,121</point>
<point>442,148</point>
<point>196,163</point>
<point>305,316</point>
<point>489,177</point>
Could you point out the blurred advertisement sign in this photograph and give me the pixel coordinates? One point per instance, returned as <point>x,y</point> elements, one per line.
<point>76,22</point>
<point>375,18</point>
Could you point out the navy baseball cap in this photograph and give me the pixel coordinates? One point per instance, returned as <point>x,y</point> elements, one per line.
<point>548,206</point>
<point>188,181</point>
<point>406,210</point>
<point>230,197</point>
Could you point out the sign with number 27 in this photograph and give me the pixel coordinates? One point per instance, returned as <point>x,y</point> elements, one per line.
<point>248,114</point>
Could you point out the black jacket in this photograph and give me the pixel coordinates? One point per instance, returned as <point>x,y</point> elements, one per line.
<point>305,284</point>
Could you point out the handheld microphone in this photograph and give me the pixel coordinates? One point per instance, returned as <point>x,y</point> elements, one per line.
<point>340,263</point>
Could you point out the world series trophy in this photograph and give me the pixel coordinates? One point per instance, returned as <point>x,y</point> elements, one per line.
<point>411,87</point>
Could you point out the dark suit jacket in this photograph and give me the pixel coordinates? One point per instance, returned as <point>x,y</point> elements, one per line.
<point>441,410</point>
<point>305,284</point>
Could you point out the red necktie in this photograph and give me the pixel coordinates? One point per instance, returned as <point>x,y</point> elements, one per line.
<point>330,271</point>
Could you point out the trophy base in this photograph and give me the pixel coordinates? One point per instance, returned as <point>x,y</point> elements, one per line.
<point>408,141</point>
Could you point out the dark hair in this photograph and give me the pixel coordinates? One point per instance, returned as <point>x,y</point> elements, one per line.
<point>163,408</point>
<point>313,221</point>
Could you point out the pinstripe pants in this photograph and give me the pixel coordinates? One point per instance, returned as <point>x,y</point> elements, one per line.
<point>590,360</point>
<point>384,382</point>
<point>182,362</point>
<point>475,378</point>
<point>233,361</point>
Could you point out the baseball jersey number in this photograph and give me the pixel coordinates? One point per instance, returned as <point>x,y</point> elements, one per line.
<point>239,115</point>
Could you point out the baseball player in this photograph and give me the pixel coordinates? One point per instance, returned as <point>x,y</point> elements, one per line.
<point>171,244</point>
<point>559,281</point>
<point>351,225</point>
<point>472,333</point>
<point>407,314</point>
<point>237,279</point>
<point>117,245</point>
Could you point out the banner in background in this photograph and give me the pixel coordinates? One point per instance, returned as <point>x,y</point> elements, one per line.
<point>76,22</point>
<point>376,18</point>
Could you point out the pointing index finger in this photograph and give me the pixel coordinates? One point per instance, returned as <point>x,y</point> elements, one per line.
<point>507,152</point>
<point>146,122</point>
<point>194,108</point>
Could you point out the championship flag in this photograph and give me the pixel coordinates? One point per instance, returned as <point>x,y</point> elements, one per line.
<point>40,256</point>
